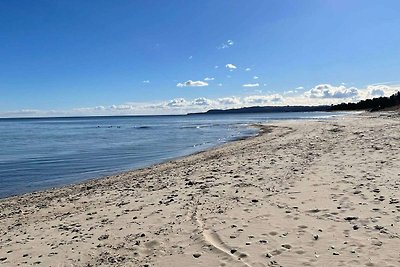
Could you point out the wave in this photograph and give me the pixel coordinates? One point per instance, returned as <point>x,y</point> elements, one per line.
<point>211,125</point>
<point>197,126</point>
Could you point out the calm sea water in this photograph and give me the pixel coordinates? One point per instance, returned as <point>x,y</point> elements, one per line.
<point>42,153</point>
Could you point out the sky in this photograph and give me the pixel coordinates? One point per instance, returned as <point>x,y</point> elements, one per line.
<point>67,58</point>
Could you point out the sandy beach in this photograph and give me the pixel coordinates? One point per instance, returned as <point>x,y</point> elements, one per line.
<point>302,193</point>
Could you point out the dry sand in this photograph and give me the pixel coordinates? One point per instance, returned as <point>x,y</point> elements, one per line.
<point>303,193</point>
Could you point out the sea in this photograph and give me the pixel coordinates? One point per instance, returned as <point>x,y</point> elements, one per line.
<point>42,153</point>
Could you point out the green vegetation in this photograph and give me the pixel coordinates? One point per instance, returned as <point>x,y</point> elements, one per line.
<point>374,104</point>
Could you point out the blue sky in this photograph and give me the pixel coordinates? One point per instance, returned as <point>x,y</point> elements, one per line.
<point>152,57</point>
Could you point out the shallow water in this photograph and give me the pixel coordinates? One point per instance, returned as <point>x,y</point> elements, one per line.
<point>42,153</point>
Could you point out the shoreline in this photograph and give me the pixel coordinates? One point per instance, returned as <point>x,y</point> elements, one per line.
<point>258,126</point>
<point>261,130</point>
<point>94,179</point>
<point>252,202</point>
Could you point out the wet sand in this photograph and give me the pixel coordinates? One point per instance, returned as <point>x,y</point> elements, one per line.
<point>302,193</point>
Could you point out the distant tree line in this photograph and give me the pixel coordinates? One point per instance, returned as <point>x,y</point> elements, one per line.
<point>373,104</point>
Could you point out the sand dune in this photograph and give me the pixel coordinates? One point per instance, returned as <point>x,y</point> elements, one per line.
<point>302,193</point>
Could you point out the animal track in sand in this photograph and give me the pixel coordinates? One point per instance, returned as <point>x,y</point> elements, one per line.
<point>212,238</point>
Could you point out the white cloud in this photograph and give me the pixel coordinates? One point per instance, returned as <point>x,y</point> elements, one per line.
<point>330,91</point>
<point>327,94</point>
<point>319,95</point>
<point>300,88</point>
<point>227,44</point>
<point>209,79</point>
<point>263,99</point>
<point>251,85</point>
<point>202,101</point>
<point>216,67</point>
<point>220,84</point>
<point>178,102</point>
<point>230,66</point>
<point>229,100</point>
<point>146,81</point>
<point>247,69</point>
<point>190,57</point>
<point>378,90</point>
<point>255,77</point>
<point>191,83</point>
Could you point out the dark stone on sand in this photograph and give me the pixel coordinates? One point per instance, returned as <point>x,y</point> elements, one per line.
<point>314,210</point>
<point>254,200</point>
<point>103,237</point>
<point>3,259</point>
<point>196,255</point>
<point>376,243</point>
<point>355,227</point>
<point>233,251</point>
<point>287,246</point>
<point>351,218</point>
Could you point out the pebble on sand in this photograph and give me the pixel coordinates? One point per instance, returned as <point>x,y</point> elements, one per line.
<point>196,255</point>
